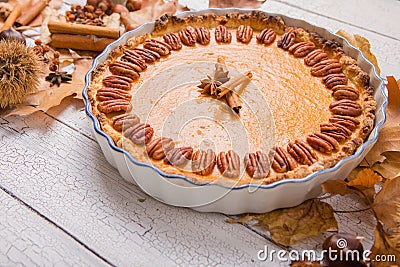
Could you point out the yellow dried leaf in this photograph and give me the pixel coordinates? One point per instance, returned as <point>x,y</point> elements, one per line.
<point>363,44</point>
<point>290,225</point>
<point>366,178</point>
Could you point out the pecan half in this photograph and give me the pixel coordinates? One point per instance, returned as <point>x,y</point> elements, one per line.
<point>244,34</point>
<point>149,56</point>
<point>159,47</point>
<point>346,121</point>
<point>178,156</point>
<point>345,92</point>
<point>124,121</point>
<point>173,40</point>
<point>139,133</point>
<point>323,142</point>
<point>346,107</point>
<point>134,58</point>
<point>332,80</point>
<point>159,147</point>
<point>286,40</point>
<point>326,67</point>
<point>203,162</point>
<point>203,35</point>
<point>257,165</point>
<point>120,82</point>
<point>127,69</point>
<point>266,36</point>
<point>222,34</point>
<point>283,161</point>
<point>301,49</point>
<point>114,105</point>
<point>229,164</point>
<point>302,152</point>
<point>337,131</point>
<point>188,36</point>
<point>315,56</point>
<point>109,93</point>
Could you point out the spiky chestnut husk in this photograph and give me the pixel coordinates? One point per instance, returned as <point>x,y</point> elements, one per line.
<point>20,70</point>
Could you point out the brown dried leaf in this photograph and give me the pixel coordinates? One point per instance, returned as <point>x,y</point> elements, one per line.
<point>336,187</point>
<point>363,44</point>
<point>389,137</point>
<point>387,210</point>
<point>290,225</point>
<point>384,245</point>
<point>390,168</point>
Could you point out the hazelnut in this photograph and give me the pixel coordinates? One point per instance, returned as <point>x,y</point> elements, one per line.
<point>120,9</point>
<point>89,8</point>
<point>133,5</point>
<point>105,5</point>
<point>92,2</point>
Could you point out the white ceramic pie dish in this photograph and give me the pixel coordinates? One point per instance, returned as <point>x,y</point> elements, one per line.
<point>180,191</point>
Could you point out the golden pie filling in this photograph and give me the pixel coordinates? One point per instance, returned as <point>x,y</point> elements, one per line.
<point>162,98</point>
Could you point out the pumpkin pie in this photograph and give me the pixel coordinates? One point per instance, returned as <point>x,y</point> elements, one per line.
<point>302,104</point>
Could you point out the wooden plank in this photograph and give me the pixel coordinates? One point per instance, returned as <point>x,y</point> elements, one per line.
<point>380,17</point>
<point>383,47</point>
<point>63,174</point>
<point>27,239</point>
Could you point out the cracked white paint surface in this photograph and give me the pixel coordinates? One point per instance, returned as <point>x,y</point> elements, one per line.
<point>56,167</point>
<point>27,239</point>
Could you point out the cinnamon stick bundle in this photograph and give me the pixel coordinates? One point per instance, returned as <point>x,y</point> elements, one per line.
<point>81,29</point>
<point>232,83</point>
<point>79,42</point>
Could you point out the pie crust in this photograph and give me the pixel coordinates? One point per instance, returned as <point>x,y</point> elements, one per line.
<point>302,137</point>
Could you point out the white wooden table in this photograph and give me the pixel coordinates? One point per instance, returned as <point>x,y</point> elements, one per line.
<point>62,204</point>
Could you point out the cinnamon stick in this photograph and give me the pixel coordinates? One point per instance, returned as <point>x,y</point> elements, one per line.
<point>30,12</point>
<point>81,29</point>
<point>233,101</point>
<point>15,13</point>
<point>80,42</point>
<point>232,83</point>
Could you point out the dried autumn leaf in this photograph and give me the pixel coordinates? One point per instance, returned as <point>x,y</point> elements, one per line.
<point>361,43</point>
<point>390,168</point>
<point>385,246</point>
<point>336,187</point>
<point>387,204</point>
<point>387,210</point>
<point>290,225</point>
<point>366,178</point>
<point>389,137</point>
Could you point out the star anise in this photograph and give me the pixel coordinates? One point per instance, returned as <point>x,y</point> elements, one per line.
<point>57,77</point>
<point>211,83</point>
